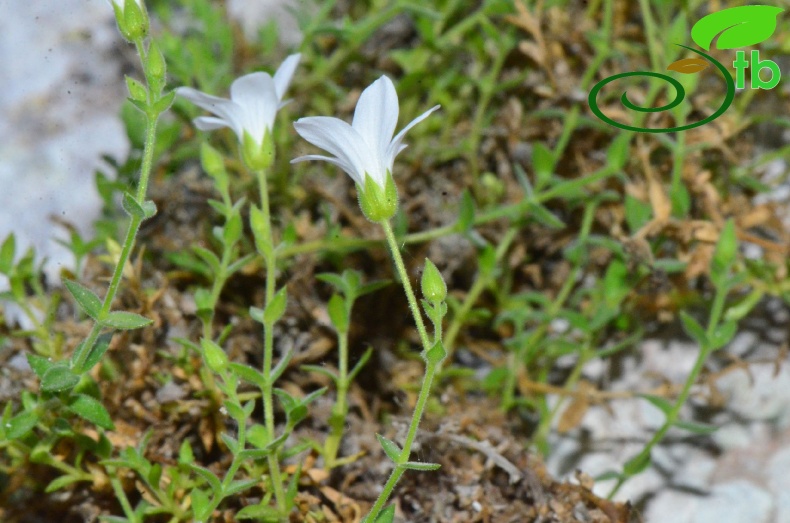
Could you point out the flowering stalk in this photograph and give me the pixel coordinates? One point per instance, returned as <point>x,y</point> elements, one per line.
<point>366,151</point>
<point>152,102</point>
<point>250,112</point>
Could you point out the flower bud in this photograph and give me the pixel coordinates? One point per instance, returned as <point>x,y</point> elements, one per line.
<point>433,287</point>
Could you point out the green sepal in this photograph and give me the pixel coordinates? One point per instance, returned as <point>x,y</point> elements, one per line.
<point>378,203</point>
<point>258,157</point>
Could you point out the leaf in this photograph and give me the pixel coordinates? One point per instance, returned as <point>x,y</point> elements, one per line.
<point>248,373</point>
<point>87,301</point>
<point>436,354</point>
<point>338,313</point>
<point>92,410</point>
<point>387,515</point>
<point>637,464</point>
<point>661,403</point>
<point>215,357</point>
<point>739,26</point>
<point>724,255</point>
<point>466,212</point>
<point>200,504</point>
<point>21,424</point>
<point>132,206</point>
<point>391,449</point>
<point>694,329</point>
<point>688,65</point>
<point>276,308</point>
<point>637,213</point>
<point>7,253</point>
<point>62,481</point>
<point>543,162</point>
<point>259,512</point>
<point>702,429</point>
<point>58,378</point>
<point>416,465</point>
<point>240,485</point>
<point>39,364</point>
<point>99,348</point>
<point>617,153</point>
<point>208,257</point>
<point>124,320</point>
<point>723,335</point>
<point>209,476</point>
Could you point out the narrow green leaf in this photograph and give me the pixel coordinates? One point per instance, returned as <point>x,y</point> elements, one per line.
<point>124,320</point>
<point>543,162</point>
<point>132,206</point>
<point>694,329</point>
<point>663,404</point>
<point>618,152</point>
<point>215,357</point>
<point>320,370</point>
<point>416,465</point>
<point>724,255</point>
<point>391,449</point>
<point>208,257</point>
<point>240,485</point>
<point>7,253</point>
<point>637,464</point>
<point>39,364</point>
<point>337,313</point>
<point>259,512</point>
<point>275,310</point>
<point>466,212</point>
<point>88,302</point>
<point>60,482</point>
<point>361,363</point>
<point>91,409</point>
<point>99,348</point>
<point>200,504</point>
<point>387,515</point>
<point>206,474</point>
<point>702,429</point>
<point>723,334</point>
<point>248,373</point>
<point>58,377</point>
<point>21,424</point>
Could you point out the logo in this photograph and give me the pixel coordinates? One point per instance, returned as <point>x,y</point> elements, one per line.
<point>735,27</point>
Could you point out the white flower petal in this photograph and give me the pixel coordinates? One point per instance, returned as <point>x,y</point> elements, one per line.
<point>376,116</point>
<point>335,161</point>
<point>395,146</point>
<point>255,95</point>
<point>209,123</point>
<point>282,78</point>
<point>340,139</point>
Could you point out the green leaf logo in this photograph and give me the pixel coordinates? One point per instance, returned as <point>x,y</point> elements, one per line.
<point>738,26</point>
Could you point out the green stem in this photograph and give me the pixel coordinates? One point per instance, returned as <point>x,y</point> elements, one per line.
<point>425,388</point>
<point>340,409</point>
<point>404,276</point>
<point>268,345</point>
<point>128,243</point>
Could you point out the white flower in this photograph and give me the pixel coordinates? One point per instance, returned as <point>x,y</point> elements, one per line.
<point>367,145</point>
<point>254,101</point>
<point>120,3</point>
